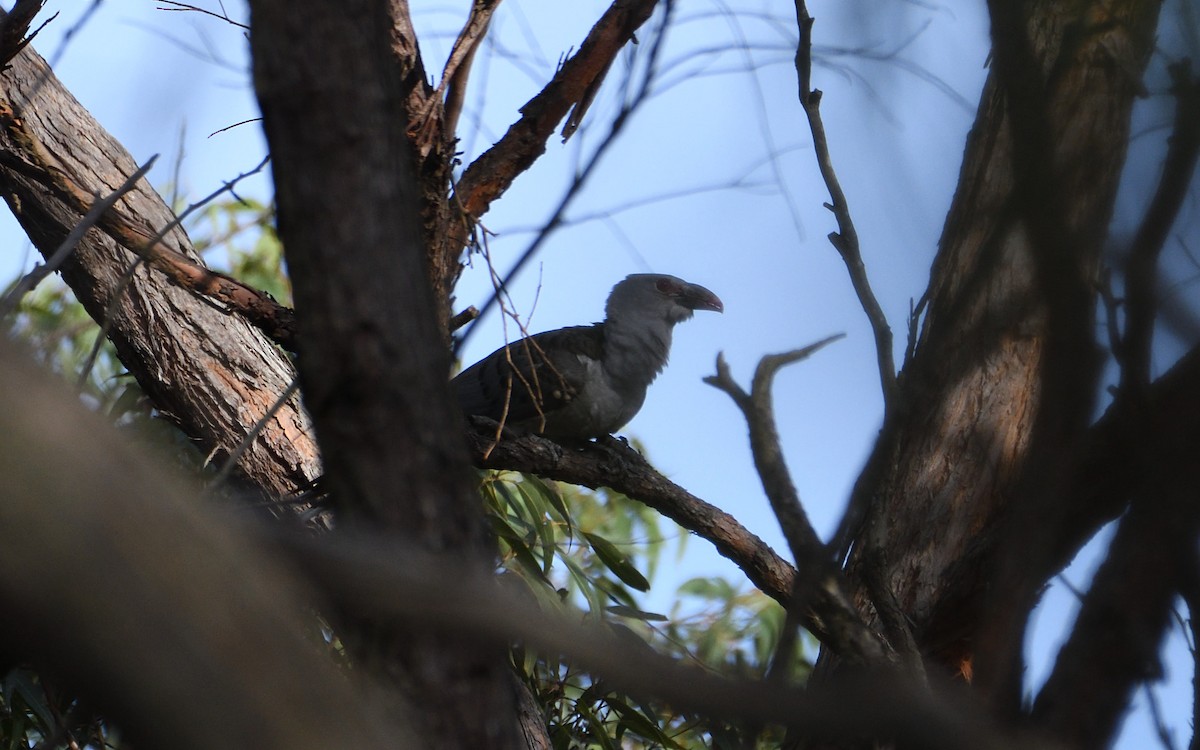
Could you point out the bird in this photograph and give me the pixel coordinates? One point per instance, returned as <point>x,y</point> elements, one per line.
<point>585,382</point>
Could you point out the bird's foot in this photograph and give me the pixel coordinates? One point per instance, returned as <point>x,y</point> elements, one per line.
<point>616,444</point>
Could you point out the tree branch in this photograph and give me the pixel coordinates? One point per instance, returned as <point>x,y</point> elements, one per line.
<point>205,370</point>
<point>36,162</point>
<point>626,471</point>
<point>1141,275</point>
<point>845,240</point>
<point>1115,642</point>
<point>493,172</point>
<point>759,412</point>
<point>30,280</point>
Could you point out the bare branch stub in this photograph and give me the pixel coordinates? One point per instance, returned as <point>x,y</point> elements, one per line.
<point>494,171</point>
<point>14,28</point>
<point>756,406</point>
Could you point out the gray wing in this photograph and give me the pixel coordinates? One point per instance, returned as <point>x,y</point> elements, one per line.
<point>536,375</point>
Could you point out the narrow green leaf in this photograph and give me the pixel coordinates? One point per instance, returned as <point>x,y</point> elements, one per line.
<point>637,614</point>
<point>617,562</point>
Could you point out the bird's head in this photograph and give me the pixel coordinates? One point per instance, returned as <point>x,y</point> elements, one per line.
<point>656,295</point>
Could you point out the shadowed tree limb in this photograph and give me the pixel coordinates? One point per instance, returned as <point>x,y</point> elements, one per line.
<point>160,612</point>
<point>1141,273</point>
<point>408,585</point>
<point>493,171</point>
<point>373,359</point>
<point>626,471</point>
<point>1114,646</point>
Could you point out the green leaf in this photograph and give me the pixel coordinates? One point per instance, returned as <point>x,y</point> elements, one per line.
<point>617,562</point>
<point>637,614</point>
<point>641,724</point>
<point>554,500</point>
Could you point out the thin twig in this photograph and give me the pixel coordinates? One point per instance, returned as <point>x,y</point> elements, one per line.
<point>845,240</point>
<point>64,250</point>
<point>186,7</point>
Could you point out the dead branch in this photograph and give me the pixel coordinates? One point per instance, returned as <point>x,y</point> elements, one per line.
<point>807,549</point>
<point>816,569</point>
<point>493,172</point>
<point>845,240</point>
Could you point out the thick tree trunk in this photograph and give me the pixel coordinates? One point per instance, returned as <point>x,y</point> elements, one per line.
<point>372,357</point>
<point>209,372</point>
<point>1005,368</point>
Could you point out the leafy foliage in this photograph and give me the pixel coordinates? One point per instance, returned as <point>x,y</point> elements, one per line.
<point>589,549</point>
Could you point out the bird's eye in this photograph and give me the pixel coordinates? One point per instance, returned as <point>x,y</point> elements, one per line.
<point>666,286</point>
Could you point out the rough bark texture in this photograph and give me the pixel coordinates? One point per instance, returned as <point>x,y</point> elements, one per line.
<point>209,372</point>
<point>1005,366</point>
<point>372,357</point>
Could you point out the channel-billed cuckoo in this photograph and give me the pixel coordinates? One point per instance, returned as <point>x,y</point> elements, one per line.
<point>584,382</point>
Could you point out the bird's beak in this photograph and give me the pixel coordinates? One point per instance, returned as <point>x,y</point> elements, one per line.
<point>697,297</point>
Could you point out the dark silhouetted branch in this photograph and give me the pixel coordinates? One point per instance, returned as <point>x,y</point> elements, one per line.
<point>1115,642</point>
<point>494,171</point>
<point>1141,289</point>
<point>623,469</point>
<point>845,240</point>
<point>409,586</point>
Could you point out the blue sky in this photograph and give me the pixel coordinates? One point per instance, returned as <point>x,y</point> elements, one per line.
<point>714,180</point>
